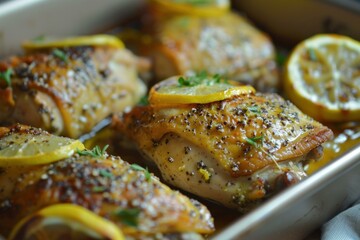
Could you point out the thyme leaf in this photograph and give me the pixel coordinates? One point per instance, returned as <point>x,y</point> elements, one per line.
<point>198,79</point>
<point>129,216</point>
<point>6,76</point>
<point>137,167</point>
<point>95,152</point>
<point>143,101</point>
<point>105,173</point>
<point>254,109</point>
<point>60,54</point>
<point>255,140</point>
<point>98,189</point>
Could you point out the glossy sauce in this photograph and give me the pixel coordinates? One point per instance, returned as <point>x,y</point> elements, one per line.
<point>346,136</point>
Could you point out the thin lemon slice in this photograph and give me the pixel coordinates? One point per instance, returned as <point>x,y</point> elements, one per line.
<point>203,8</point>
<point>323,77</point>
<point>93,40</point>
<point>195,90</point>
<point>27,148</point>
<point>65,221</point>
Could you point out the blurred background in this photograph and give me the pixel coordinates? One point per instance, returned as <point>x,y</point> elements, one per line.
<point>289,22</point>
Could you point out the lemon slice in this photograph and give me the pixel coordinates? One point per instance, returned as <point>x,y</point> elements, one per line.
<point>323,77</point>
<point>65,221</point>
<point>196,89</point>
<point>93,40</point>
<point>203,8</point>
<point>26,148</point>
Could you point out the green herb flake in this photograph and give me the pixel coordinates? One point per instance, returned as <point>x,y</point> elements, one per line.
<point>60,54</point>
<point>254,109</point>
<point>99,189</point>
<point>105,173</point>
<point>217,78</point>
<point>95,152</point>
<point>201,78</point>
<point>183,22</point>
<point>312,54</point>
<point>129,216</point>
<point>39,38</point>
<point>144,101</point>
<point>194,2</point>
<point>6,76</point>
<point>183,82</point>
<point>137,167</point>
<point>255,141</point>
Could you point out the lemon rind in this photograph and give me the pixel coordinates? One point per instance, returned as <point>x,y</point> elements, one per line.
<point>157,98</point>
<point>43,158</point>
<point>76,213</point>
<point>91,40</point>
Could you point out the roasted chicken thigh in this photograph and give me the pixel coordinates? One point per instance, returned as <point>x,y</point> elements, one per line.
<point>236,151</point>
<point>69,90</point>
<point>102,184</point>
<point>226,44</point>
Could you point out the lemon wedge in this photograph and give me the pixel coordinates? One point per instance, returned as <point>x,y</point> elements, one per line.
<point>323,77</point>
<point>33,148</point>
<point>68,221</point>
<point>93,40</point>
<point>202,8</point>
<point>195,89</point>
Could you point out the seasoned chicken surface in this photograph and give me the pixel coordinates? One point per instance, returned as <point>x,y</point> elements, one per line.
<point>70,90</point>
<point>236,151</point>
<point>227,45</point>
<point>103,184</point>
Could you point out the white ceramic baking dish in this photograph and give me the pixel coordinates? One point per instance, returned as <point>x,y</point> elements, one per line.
<point>292,214</point>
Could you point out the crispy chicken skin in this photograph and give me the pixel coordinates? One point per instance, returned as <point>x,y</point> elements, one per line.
<point>227,45</point>
<point>236,151</point>
<point>70,94</point>
<point>103,185</point>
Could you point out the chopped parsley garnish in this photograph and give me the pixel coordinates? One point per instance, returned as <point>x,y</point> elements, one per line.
<point>255,141</point>
<point>129,216</point>
<point>312,54</point>
<point>6,76</point>
<point>99,189</point>
<point>254,109</point>
<point>105,173</point>
<point>95,152</point>
<point>198,79</point>
<point>60,54</point>
<point>140,168</point>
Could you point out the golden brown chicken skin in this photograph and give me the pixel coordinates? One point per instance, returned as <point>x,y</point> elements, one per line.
<point>105,185</point>
<point>236,151</point>
<point>227,45</point>
<point>68,91</point>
